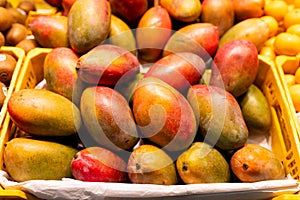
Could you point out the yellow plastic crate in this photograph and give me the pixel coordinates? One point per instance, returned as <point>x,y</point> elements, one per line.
<point>285,141</point>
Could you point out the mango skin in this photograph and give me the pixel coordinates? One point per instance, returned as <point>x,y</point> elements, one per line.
<point>183,10</point>
<point>219,13</point>
<point>88,24</point>
<point>199,38</point>
<point>201,163</point>
<point>121,35</point>
<point>60,71</point>
<point>29,159</point>
<point>235,66</point>
<point>108,118</point>
<point>220,117</point>
<point>180,70</point>
<point>252,29</point>
<point>47,113</point>
<point>256,110</point>
<point>254,163</point>
<point>164,116</point>
<point>160,169</point>
<point>106,65</point>
<point>50,31</point>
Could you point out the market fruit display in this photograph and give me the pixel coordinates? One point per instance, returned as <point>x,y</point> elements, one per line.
<point>159,107</point>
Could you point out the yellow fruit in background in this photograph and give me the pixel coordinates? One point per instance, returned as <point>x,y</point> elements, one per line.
<point>268,52</point>
<point>270,42</point>
<point>289,79</point>
<point>297,76</point>
<point>297,3</point>
<point>276,9</point>
<point>292,17</point>
<point>272,24</point>
<point>287,44</point>
<point>295,95</point>
<point>294,29</point>
<point>289,2</point>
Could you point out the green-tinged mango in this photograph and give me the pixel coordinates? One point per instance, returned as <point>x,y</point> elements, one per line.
<point>108,118</point>
<point>255,30</point>
<point>256,110</point>
<point>183,10</point>
<point>59,71</point>
<point>107,64</point>
<point>221,122</point>
<point>30,159</point>
<point>50,31</point>
<point>219,13</point>
<point>163,114</point>
<point>201,163</point>
<point>44,113</point>
<point>88,24</point>
<point>253,163</point>
<point>121,35</point>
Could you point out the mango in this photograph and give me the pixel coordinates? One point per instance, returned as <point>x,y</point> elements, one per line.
<point>96,164</point>
<point>256,110</point>
<point>43,113</point>
<point>121,35</point>
<point>219,13</point>
<point>221,122</point>
<point>157,25</point>
<point>163,115</point>
<point>60,71</point>
<point>201,163</point>
<point>180,70</point>
<point>108,118</point>
<point>199,38</point>
<point>253,29</point>
<point>29,159</point>
<point>254,163</point>
<point>149,164</point>
<point>56,34</point>
<point>129,10</point>
<point>88,24</point>
<point>248,9</point>
<point>106,64</point>
<point>183,10</point>
<point>235,66</point>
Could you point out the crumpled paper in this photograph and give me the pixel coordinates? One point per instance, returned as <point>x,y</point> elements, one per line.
<point>73,189</point>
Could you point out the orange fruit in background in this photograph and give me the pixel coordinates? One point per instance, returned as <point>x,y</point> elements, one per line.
<point>287,44</point>
<point>295,95</point>
<point>289,79</point>
<point>296,3</point>
<point>292,17</point>
<point>297,76</point>
<point>276,9</point>
<point>272,24</point>
<point>294,29</point>
<point>268,52</point>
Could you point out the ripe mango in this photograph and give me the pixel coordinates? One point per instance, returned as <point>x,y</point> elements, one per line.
<point>96,164</point>
<point>121,35</point>
<point>106,64</point>
<point>88,24</point>
<point>163,115</point>
<point>183,10</point>
<point>219,13</point>
<point>253,29</point>
<point>60,71</point>
<point>180,70</point>
<point>44,113</point>
<point>199,38</point>
<point>149,164</point>
<point>248,9</point>
<point>254,163</point>
<point>221,122</point>
<point>108,118</point>
<point>50,31</point>
<point>256,110</point>
<point>201,163</point>
<point>235,66</point>
<point>29,159</point>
